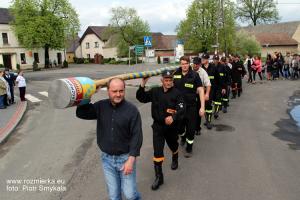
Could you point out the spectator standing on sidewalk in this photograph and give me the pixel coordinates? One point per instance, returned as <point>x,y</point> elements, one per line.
<point>11,82</point>
<point>2,90</point>
<point>21,81</point>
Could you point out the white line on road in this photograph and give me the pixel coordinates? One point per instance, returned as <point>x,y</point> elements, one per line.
<point>44,93</point>
<point>32,98</point>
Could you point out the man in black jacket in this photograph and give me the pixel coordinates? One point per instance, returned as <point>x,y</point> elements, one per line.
<point>167,110</point>
<point>119,137</point>
<point>190,85</point>
<point>238,72</point>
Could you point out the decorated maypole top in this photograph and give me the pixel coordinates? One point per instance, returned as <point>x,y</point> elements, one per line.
<point>74,91</point>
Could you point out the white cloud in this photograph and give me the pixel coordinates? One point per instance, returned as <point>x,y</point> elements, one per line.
<point>162,15</point>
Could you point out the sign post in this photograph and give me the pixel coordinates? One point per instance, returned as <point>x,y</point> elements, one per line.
<point>139,49</point>
<point>147,42</point>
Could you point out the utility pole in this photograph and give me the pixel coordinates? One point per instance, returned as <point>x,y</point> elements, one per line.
<point>223,21</point>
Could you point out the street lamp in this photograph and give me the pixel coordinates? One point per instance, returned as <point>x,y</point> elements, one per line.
<point>216,47</point>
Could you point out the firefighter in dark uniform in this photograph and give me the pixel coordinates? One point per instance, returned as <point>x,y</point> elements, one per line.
<point>167,110</point>
<point>189,83</point>
<point>214,78</point>
<point>221,86</point>
<point>238,72</point>
<point>227,77</point>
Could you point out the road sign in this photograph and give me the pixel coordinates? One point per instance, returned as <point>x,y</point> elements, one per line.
<point>139,49</point>
<point>147,41</point>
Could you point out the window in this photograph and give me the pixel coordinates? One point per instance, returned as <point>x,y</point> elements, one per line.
<point>23,58</point>
<point>96,45</point>
<point>36,57</point>
<point>89,56</point>
<point>87,45</point>
<point>5,38</point>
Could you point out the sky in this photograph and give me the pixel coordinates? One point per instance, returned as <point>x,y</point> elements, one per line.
<point>162,15</point>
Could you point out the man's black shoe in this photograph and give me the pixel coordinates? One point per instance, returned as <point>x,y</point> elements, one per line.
<point>198,132</point>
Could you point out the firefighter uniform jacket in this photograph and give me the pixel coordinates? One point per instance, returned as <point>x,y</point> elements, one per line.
<point>187,85</point>
<point>238,71</point>
<point>223,75</point>
<point>164,104</point>
<point>213,75</point>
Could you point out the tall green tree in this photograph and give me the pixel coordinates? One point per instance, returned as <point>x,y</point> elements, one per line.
<point>44,24</point>
<point>245,43</point>
<point>128,28</point>
<point>257,11</point>
<point>205,24</point>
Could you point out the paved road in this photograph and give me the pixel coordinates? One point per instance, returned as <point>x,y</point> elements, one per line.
<point>252,152</point>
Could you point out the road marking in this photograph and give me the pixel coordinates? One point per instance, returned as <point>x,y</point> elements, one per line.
<point>32,98</point>
<point>44,93</point>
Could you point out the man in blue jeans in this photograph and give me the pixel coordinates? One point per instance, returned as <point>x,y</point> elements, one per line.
<point>119,137</point>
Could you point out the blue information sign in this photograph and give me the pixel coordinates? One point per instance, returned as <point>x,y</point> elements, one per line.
<point>148,41</point>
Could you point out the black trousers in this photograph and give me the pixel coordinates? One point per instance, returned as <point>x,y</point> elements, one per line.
<point>12,100</point>
<point>22,93</point>
<point>237,88</point>
<point>188,124</point>
<point>217,99</point>
<point>162,134</point>
<point>198,118</point>
<point>250,75</point>
<point>5,100</point>
<point>225,98</point>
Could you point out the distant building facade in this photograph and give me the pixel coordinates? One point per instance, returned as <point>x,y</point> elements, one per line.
<point>12,53</point>
<point>279,37</point>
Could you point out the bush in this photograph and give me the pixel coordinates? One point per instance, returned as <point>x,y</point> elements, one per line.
<point>113,61</point>
<point>18,67</point>
<point>35,66</point>
<point>65,64</point>
<point>78,60</point>
<point>86,61</point>
<point>92,60</point>
<point>1,66</point>
<point>107,60</point>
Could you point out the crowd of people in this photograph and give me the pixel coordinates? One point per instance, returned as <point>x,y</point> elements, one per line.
<point>8,80</point>
<point>275,66</point>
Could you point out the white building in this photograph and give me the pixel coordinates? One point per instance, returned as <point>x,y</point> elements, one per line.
<point>11,53</point>
<point>95,42</point>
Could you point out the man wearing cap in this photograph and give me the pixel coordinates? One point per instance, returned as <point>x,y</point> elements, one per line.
<point>214,78</point>
<point>167,110</point>
<point>207,85</point>
<point>190,85</point>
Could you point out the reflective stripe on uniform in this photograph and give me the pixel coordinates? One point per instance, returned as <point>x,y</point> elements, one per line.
<point>188,85</point>
<point>225,99</point>
<point>208,111</point>
<point>221,74</point>
<point>189,141</point>
<point>177,76</point>
<point>182,134</point>
<point>211,77</point>
<point>218,103</point>
<point>160,159</point>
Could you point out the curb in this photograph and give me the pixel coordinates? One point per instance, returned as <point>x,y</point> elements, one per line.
<point>13,122</point>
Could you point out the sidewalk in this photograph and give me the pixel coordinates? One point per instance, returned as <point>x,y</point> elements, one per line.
<point>10,118</point>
